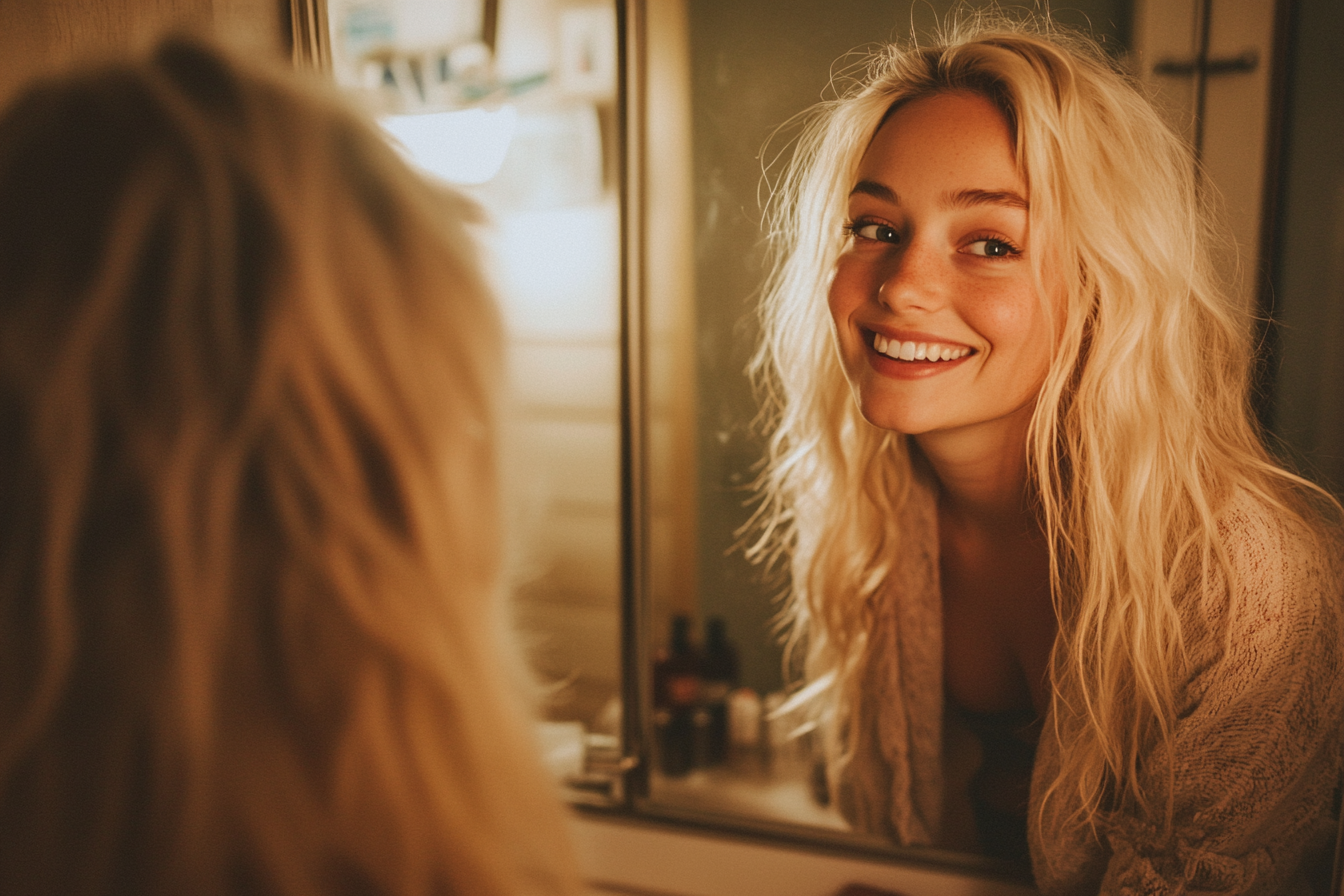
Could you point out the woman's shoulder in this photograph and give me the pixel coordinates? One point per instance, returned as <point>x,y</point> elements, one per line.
<point>1281,597</point>
<point>1276,553</point>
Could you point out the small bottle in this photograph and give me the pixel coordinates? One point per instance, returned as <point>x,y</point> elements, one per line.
<point>676,698</point>
<point>777,746</point>
<point>720,677</point>
<point>744,728</point>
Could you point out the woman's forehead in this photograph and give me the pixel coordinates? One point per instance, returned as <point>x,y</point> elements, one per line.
<point>958,141</point>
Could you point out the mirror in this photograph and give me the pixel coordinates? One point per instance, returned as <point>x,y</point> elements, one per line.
<point>724,80</point>
<point>666,142</point>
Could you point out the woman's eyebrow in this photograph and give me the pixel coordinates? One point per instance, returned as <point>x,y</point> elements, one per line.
<point>967,198</point>
<point>957,199</point>
<point>876,190</point>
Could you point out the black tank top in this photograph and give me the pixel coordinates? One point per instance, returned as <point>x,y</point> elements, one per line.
<point>1001,787</point>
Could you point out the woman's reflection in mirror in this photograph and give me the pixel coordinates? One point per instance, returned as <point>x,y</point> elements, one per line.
<point>251,637</point>
<point>1069,607</point>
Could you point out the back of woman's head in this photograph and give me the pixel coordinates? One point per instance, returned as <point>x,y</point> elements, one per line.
<point>250,638</point>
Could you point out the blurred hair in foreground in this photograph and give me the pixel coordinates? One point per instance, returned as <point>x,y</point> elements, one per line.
<point>251,633</point>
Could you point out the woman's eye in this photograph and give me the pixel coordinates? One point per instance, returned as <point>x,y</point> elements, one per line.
<point>882,233</point>
<point>992,248</point>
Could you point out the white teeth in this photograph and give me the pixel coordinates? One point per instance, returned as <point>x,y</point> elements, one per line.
<point>917,351</point>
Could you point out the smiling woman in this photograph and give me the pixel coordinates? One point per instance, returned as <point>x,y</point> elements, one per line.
<point>1060,603</point>
<point>935,267</point>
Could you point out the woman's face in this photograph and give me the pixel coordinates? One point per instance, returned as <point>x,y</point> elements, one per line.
<point>937,317</point>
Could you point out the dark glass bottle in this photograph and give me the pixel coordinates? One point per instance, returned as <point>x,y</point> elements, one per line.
<point>676,699</point>
<point>720,677</point>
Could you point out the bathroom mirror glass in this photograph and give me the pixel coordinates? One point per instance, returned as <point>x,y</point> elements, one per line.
<point>622,152</point>
<point>723,80</point>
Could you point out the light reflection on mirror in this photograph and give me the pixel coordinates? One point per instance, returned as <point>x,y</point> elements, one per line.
<point>513,102</point>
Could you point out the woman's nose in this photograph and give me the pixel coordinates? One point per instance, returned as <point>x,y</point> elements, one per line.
<point>913,279</point>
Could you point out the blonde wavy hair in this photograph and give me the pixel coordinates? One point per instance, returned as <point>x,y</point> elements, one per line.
<point>1142,431</point>
<point>252,638</point>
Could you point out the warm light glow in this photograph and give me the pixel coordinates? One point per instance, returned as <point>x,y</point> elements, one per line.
<point>463,147</point>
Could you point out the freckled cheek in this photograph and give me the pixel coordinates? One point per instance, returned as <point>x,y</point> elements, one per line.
<point>845,295</point>
<point>1014,324</point>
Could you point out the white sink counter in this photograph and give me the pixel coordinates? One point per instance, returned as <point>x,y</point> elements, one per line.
<point>635,857</point>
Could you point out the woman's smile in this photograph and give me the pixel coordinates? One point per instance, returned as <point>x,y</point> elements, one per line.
<point>908,356</point>
<point>937,315</point>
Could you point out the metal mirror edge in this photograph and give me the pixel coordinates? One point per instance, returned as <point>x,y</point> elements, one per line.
<point>636,727</point>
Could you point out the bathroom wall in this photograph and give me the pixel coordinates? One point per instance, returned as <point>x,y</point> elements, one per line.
<point>36,35</point>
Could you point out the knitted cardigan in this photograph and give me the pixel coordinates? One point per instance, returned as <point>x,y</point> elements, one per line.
<point>1256,742</point>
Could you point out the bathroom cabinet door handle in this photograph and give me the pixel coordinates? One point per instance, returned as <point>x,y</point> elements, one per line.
<point>1243,62</point>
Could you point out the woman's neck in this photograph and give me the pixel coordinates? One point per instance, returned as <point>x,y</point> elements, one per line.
<point>982,473</point>
<point>998,617</point>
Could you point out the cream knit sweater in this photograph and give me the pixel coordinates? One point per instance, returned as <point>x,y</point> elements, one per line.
<point>1257,741</point>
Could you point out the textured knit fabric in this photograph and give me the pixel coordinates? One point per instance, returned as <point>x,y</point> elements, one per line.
<point>894,786</point>
<point>1257,739</point>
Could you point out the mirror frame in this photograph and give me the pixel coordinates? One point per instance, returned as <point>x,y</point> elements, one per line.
<point>635,650</point>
